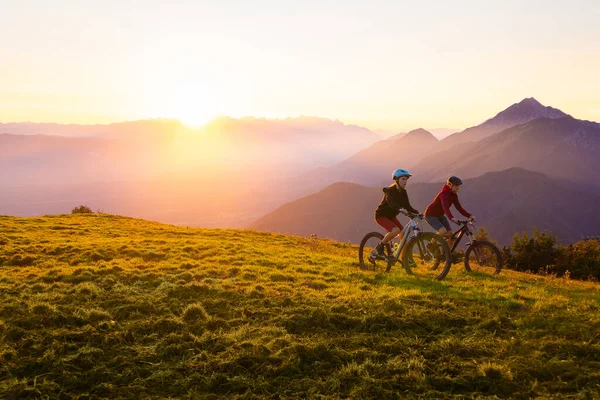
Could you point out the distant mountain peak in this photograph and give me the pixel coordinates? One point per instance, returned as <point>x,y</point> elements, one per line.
<point>530,101</point>
<point>420,134</point>
<point>419,131</point>
<point>524,111</point>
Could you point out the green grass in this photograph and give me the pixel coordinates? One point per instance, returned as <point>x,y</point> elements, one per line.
<point>99,306</point>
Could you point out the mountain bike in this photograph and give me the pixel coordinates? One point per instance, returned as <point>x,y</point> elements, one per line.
<point>480,255</point>
<point>422,252</point>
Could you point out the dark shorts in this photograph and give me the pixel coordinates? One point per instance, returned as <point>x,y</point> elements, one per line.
<point>438,223</point>
<point>389,224</point>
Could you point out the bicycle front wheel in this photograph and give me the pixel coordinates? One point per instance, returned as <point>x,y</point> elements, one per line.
<point>365,257</point>
<point>483,256</point>
<point>425,253</point>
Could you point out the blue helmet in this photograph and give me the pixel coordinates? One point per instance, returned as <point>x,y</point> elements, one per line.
<point>400,172</point>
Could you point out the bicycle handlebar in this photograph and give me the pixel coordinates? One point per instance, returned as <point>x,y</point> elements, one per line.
<point>411,215</point>
<point>465,222</point>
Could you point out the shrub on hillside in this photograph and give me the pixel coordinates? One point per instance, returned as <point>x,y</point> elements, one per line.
<point>482,234</point>
<point>580,260</point>
<point>82,210</point>
<point>541,254</point>
<point>533,254</point>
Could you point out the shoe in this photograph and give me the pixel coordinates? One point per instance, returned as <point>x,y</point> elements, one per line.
<point>374,254</point>
<point>377,252</point>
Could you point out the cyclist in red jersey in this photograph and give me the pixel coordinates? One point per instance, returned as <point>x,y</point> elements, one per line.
<point>438,212</point>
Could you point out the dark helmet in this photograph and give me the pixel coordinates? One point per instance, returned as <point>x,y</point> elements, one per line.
<point>454,180</point>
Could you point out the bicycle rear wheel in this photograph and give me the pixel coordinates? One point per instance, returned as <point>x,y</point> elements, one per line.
<point>483,256</point>
<point>425,253</point>
<point>368,244</point>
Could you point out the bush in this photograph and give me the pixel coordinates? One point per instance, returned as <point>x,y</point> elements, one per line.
<point>541,254</point>
<point>535,254</point>
<point>482,234</point>
<point>580,260</point>
<point>82,210</point>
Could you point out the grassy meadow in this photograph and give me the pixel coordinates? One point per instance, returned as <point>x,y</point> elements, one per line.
<point>99,306</point>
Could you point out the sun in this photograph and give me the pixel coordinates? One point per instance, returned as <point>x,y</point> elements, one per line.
<point>192,102</point>
<point>192,114</point>
<point>191,109</point>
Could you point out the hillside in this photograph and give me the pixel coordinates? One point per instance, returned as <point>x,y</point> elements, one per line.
<point>504,202</point>
<point>99,306</point>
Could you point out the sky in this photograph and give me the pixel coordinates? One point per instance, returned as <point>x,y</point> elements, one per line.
<point>393,65</point>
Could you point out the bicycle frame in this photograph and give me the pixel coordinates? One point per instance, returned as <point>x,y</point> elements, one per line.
<point>411,230</point>
<point>465,229</point>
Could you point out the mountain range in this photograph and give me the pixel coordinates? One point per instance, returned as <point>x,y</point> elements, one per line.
<point>227,174</point>
<point>144,129</point>
<point>526,134</point>
<point>157,149</point>
<point>504,202</point>
<point>234,171</point>
<point>525,111</point>
<point>562,147</point>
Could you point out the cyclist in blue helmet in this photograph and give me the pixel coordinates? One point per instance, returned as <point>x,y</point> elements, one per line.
<point>394,198</point>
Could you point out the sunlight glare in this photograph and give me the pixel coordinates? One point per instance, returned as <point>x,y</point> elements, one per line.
<point>191,105</point>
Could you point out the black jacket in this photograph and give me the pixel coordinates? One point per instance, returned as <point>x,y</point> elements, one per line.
<point>393,200</point>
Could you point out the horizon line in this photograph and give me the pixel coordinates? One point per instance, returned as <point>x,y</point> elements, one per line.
<point>253,117</point>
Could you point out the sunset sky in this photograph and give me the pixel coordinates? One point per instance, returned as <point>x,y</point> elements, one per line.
<point>380,64</point>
